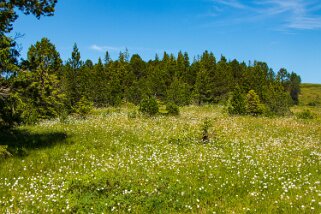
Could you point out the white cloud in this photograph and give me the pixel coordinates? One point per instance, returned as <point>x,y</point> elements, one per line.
<point>231,3</point>
<point>305,23</point>
<point>106,48</point>
<point>293,14</point>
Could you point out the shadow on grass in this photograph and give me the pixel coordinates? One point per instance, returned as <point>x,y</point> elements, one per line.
<point>19,142</point>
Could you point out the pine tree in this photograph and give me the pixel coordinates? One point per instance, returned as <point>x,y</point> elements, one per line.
<point>178,93</point>
<point>222,80</point>
<point>40,89</point>
<point>71,76</point>
<point>295,82</point>
<point>203,89</point>
<point>237,102</point>
<point>253,104</point>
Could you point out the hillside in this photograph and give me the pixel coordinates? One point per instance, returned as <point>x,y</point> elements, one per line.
<point>310,94</point>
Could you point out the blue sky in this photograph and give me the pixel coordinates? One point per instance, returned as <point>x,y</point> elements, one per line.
<point>283,33</point>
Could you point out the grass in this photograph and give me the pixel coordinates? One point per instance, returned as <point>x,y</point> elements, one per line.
<point>310,94</point>
<point>120,161</point>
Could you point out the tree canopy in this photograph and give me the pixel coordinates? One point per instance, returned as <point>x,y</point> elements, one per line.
<point>42,86</point>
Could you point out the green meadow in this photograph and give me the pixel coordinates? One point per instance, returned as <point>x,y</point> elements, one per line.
<point>118,160</point>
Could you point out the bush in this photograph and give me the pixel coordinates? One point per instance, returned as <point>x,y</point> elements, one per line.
<point>83,107</point>
<point>149,106</point>
<point>306,114</point>
<point>278,101</point>
<point>205,127</point>
<point>254,106</point>
<point>132,114</point>
<point>237,104</point>
<point>4,152</point>
<point>312,103</point>
<point>172,108</point>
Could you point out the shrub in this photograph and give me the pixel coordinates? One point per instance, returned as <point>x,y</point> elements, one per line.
<point>132,114</point>
<point>83,107</point>
<point>205,127</point>
<point>306,114</point>
<point>253,104</point>
<point>313,103</point>
<point>149,106</point>
<point>278,101</point>
<point>4,152</point>
<point>172,108</point>
<point>237,104</point>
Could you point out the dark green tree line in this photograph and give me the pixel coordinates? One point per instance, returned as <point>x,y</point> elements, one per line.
<point>42,86</point>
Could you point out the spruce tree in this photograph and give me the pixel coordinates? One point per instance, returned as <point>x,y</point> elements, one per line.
<point>39,88</point>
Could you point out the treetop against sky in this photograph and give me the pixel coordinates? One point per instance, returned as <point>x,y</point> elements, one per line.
<point>283,33</point>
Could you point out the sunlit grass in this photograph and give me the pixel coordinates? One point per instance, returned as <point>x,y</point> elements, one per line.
<point>310,94</point>
<point>116,162</point>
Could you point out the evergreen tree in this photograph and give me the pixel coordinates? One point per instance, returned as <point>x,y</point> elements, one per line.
<point>203,89</point>
<point>295,82</point>
<point>278,100</point>
<point>237,102</point>
<point>40,89</point>
<point>222,80</point>
<point>71,76</point>
<point>107,58</point>
<point>178,93</point>
<point>253,104</point>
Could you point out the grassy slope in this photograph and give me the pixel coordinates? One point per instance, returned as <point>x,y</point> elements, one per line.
<point>310,93</point>
<point>115,162</point>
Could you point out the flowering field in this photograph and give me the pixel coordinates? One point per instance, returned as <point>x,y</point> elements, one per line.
<point>119,161</point>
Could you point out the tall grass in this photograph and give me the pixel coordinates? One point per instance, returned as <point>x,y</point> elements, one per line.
<point>111,162</point>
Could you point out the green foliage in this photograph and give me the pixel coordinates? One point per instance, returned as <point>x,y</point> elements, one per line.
<point>253,104</point>
<point>83,107</point>
<point>132,114</point>
<point>305,114</point>
<point>9,52</point>
<point>178,93</point>
<point>149,106</point>
<point>11,108</point>
<point>70,77</point>
<point>237,102</point>
<point>205,127</point>
<point>313,103</point>
<point>39,88</point>
<point>4,153</point>
<point>172,108</point>
<point>278,101</point>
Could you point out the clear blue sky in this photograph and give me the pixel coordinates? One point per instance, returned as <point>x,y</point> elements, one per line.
<point>283,33</point>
